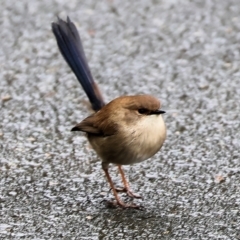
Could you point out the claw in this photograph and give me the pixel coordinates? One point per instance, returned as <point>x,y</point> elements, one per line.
<point>133,195</point>
<point>128,191</point>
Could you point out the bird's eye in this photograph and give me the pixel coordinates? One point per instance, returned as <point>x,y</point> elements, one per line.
<point>143,111</point>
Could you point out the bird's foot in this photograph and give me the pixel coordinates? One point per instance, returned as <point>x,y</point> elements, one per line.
<point>128,191</point>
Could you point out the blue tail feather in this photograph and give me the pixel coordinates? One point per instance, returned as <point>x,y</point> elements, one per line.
<point>70,46</point>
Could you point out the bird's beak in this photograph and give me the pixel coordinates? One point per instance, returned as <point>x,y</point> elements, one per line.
<point>157,112</point>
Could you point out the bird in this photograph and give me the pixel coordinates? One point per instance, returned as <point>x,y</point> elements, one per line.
<point>125,131</point>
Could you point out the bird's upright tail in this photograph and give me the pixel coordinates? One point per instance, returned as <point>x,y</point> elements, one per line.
<point>70,45</point>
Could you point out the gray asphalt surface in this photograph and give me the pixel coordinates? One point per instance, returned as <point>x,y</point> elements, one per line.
<point>186,53</point>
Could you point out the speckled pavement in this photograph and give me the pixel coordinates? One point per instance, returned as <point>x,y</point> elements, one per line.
<point>186,53</point>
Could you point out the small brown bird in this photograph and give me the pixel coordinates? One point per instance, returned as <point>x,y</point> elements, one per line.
<point>128,130</point>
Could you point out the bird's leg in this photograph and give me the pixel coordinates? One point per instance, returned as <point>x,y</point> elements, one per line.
<point>119,202</point>
<point>126,185</point>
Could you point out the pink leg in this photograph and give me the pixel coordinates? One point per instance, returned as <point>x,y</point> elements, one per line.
<point>126,185</point>
<point>119,202</point>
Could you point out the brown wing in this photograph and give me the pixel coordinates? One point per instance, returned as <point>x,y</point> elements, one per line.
<point>87,125</point>
<point>97,124</point>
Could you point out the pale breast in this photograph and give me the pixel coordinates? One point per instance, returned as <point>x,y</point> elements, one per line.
<point>149,137</point>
